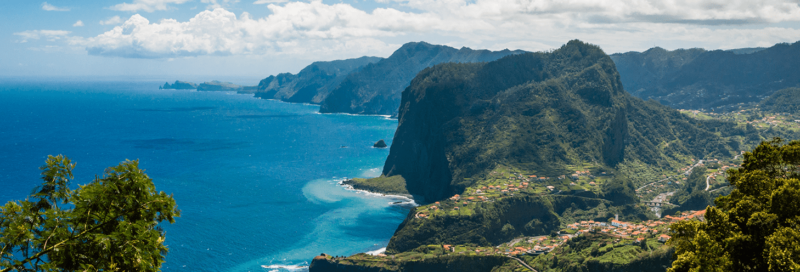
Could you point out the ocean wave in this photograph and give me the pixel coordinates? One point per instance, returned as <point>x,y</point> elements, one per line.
<point>377,251</point>
<point>404,199</point>
<point>388,117</point>
<point>278,267</point>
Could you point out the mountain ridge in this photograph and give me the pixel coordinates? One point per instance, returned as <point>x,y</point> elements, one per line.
<point>313,83</point>
<point>537,111</point>
<point>696,78</point>
<point>376,89</point>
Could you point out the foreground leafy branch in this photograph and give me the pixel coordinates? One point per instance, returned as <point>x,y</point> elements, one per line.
<point>110,224</point>
<point>757,226</point>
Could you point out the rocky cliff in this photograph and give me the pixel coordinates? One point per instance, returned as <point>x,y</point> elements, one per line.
<point>697,78</point>
<point>376,89</point>
<point>535,111</point>
<point>313,83</point>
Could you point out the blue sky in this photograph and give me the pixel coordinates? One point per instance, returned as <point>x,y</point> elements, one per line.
<point>200,39</point>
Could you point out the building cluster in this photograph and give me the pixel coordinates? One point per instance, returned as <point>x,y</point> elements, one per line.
<point>634,233</point>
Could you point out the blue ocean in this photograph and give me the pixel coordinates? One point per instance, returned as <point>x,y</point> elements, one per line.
<point>256,180</point>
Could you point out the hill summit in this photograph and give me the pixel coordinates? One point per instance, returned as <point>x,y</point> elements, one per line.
<point>537,112</point>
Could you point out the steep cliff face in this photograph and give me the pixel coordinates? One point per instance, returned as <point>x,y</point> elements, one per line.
<point>537,111</point>
<point>377,88</point>
<point>313,83</point>
<point>696,78</point>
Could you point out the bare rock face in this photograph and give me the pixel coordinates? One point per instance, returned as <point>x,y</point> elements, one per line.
<point>380,144</point>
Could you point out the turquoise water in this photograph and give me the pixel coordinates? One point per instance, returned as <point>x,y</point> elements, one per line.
<point>255,179</point>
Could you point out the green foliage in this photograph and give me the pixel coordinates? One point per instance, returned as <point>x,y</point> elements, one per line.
<point>692,195</point>
<point>109,224</point>
<point>504,219</point>
<point>620,191</point>
<point>599,252</point>
<point>785,100</point>
<point>755,228</point>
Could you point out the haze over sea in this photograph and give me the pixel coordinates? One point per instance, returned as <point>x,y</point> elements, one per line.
<point>255,179</point>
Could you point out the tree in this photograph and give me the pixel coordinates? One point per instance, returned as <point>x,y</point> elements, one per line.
<point>757,226</point>
<point>110,224</point>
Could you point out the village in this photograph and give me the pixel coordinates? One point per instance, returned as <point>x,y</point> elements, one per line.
<point>505,182</point>
<point>751,116</point>
<point>610,236</point>
<point>625,233</point>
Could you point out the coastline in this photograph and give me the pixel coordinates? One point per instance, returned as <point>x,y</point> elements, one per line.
<point>409,199</point>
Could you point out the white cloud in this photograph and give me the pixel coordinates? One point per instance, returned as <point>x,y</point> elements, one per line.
<point>78,23</point>
<point>295,28</point>
<point>112,21</point>
<point>261,2</point>
<point>146,5</point>
<point>49,7</point>
<point>214,4</point>
<point>317,29</point>
<point>50,35</point>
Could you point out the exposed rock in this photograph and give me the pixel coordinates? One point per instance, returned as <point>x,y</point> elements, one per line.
<point>380,144</point>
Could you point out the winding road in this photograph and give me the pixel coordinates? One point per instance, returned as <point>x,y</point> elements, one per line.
<point>523,263</point>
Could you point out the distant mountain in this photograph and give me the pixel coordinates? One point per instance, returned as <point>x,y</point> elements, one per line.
<point>225,86</point>
<point>744,51</point>
<point>537,112</point>
<point>179,85</point>
<point>783,101</point>
<point>376,89</point>
<point>696,78</point>
<point>313,83</point>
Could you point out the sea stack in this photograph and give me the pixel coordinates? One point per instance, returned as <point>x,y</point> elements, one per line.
<point>380,144</point>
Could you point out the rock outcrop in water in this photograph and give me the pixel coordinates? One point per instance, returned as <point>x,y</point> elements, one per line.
<point>376,88</point>
<point>380,144</point>
<point>313,83</point>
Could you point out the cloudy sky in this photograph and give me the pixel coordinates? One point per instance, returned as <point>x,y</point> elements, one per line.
<point>256,38</point>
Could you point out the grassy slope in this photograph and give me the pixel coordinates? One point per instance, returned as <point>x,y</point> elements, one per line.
<point>394,185</point>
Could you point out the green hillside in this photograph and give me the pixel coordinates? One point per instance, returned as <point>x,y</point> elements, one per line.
<point>376,88</point>
<point>545,114</point>
<point>695,78</point>
<point>783,101</point>
<point>313,83</point>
